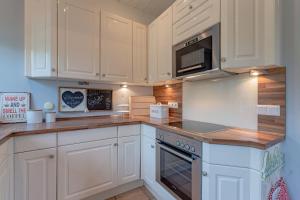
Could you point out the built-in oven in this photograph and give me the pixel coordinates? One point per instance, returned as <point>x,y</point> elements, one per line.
<point>179,165</point>
<point>199,55</point>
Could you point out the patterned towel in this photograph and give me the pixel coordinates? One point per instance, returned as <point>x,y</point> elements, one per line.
<point>279,191</point>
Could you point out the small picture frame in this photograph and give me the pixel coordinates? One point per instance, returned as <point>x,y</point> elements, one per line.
<point>13,106</point>
<point>72,99</point>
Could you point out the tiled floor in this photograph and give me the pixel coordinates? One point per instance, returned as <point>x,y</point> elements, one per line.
<point>138,194</point>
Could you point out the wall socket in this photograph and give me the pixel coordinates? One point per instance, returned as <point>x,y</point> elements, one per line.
<point>268,110</point>
<point>173,104</point>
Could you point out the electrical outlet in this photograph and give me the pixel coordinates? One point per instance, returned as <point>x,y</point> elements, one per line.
<point>269,110</point>
<point>173,104</point>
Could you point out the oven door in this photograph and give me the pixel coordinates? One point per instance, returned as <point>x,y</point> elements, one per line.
<point>178,172</point>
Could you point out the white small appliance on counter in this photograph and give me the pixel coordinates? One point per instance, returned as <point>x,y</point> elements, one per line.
<point>159,111</point>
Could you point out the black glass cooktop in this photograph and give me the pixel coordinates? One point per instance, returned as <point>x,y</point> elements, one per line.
<point>197,127</point>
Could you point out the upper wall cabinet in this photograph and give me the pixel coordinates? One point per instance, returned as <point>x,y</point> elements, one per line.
<point>40,38</point>
<point>193,16</point>
<point>152,52</point>
<point>78,40</point>
<point>164,45</point>
<point>250,34</point>
<point>139,53</point>
<point>116,48</point>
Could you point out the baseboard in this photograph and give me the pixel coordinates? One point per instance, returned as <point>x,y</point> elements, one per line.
<point>116,191</point>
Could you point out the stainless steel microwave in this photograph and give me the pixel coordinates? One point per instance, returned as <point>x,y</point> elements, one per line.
<point>199,56</point>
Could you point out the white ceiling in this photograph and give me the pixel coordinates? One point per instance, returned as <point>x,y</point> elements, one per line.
<point>151,7</point>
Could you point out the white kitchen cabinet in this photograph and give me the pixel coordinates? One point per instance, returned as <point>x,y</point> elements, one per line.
<point>148,160</point>
<point>116,48</point>
<point>250,34</point>
<point>226,182</point>
<point>164,45</point>
<point>129,154</point>
<point>152,52</point>
<point>191,17</point>
<point>35,175</point>
<point>5,180</point>
<point>40,38</point>
<point>139,53</point>
<point>78,40</point>
<point>87,169</point>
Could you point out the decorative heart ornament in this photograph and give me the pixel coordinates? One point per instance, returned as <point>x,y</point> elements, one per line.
<point>72,99</point>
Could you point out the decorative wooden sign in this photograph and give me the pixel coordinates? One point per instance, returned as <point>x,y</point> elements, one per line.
<point>72,99</point>
<point>14,107</point>
<point>99,99</point>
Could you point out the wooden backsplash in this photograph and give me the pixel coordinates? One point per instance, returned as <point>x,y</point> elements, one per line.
<point>165,94</point>
<point>272,91</point>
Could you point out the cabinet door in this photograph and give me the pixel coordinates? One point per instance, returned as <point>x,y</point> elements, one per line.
<point>128,159</point>
<point>5,180</point>
<point>86,169</point>
<point>224,182</point>
<point>41,38</point>
<point>116,48</point>
<point>35,175</point>
<point>242,35</point>
<point>78,40</point>
<point>139,53</point>
<point>152,52</point>
<point>148,160</point>
<point>164,46</point>
<point>193,17</point>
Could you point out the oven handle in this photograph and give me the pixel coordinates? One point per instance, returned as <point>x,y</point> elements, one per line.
<point>176,153</point>
<point>190,68</point>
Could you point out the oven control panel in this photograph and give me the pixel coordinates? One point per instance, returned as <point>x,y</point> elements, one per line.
<point>184,143</point>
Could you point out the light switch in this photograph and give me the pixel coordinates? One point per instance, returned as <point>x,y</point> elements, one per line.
<point>268,110</point>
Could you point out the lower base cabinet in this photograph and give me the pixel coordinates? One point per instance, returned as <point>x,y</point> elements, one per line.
<point>35,175</point>
<point>86,169</point>
<point>5,180</point>
<point>129,149</point>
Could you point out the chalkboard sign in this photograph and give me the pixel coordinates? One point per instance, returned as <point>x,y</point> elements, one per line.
<point>99,99</point>
<point>72,100</point>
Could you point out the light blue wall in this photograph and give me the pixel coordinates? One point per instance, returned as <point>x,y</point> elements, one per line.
<point>12,63</point>
<point>291,37</point>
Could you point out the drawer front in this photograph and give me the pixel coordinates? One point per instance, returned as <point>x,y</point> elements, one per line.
<point>149,131</point>
<point>202,15</point>
<point>35,142</point>
<point>125,131</point>
<point>87,135</point>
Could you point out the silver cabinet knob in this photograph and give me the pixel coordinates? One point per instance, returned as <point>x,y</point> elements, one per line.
<point>223,59</point>
<point>190,7</point>
<point>152,146</point>
<point>169,73</point>
<point>116,144</point>
<point>53,70</point>
<point>145,79</point>
<point>103,75</point>
<point>97,74</point>
<point>204,173</point>
<point>51,157</point>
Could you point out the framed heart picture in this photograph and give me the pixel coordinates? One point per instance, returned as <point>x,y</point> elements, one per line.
<point>72,100</point>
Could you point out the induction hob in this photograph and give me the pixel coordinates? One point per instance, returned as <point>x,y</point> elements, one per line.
<point>197,127</point>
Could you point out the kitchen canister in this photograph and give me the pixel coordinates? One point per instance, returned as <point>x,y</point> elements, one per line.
<point>34,116</point>
<point>50,117</point>
<point>159,111</point>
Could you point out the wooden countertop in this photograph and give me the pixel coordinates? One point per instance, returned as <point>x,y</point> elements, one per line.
<point>230,136</point>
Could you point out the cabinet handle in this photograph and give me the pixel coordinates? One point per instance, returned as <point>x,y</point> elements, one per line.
<point>152,146</point>
<point>169,73</point>
<point>190,7</point>
<point>223,60</point>
<point>51,157</point>
<point>145,79</point>
<point>97,74</point>
<point>103,75</point>
<point>116,144</point>
<point>53,70</point>
<point>204,173</point>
